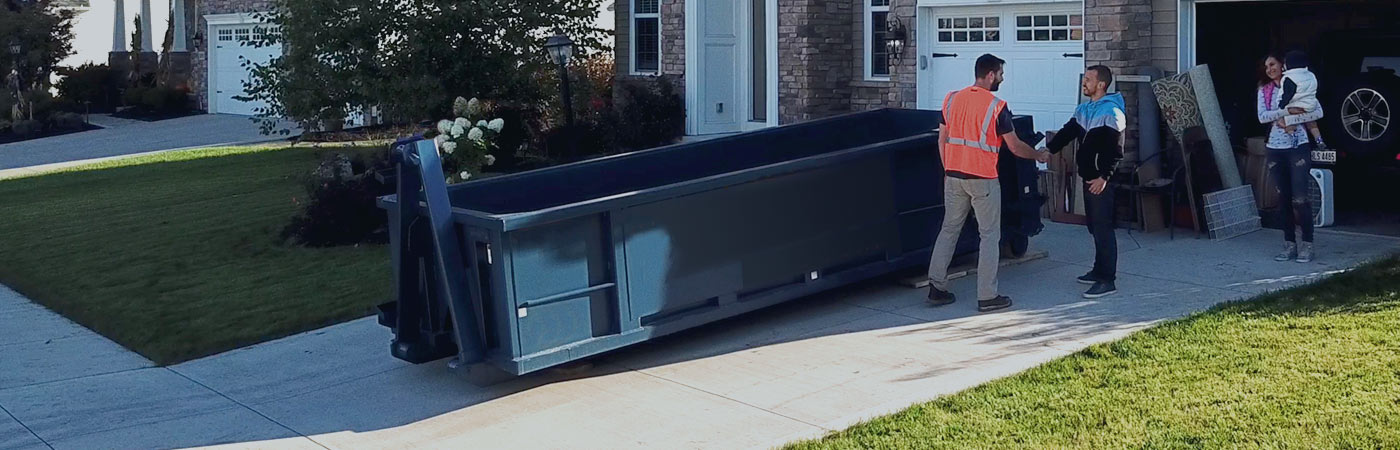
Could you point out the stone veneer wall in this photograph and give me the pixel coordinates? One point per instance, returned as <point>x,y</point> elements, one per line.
<point>900,90</point>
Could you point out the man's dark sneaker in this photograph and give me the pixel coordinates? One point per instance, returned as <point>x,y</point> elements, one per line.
<point>939,297</point>
<point>1088,278</point>
<point>1101,289</point>
<point>1001,302</point>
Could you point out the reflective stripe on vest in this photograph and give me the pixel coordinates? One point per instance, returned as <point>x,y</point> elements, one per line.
<point>981,142</point>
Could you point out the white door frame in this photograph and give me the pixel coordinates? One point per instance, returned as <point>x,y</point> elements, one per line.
<point>211,79</point>
<point>692,65</point>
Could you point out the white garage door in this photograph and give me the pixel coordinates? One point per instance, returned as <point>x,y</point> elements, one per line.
<point>1042,44</point>
<point>231,46</point>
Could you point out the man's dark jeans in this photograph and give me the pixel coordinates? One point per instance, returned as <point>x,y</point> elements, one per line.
<point>1291,171</point>
<point>1100,209</point>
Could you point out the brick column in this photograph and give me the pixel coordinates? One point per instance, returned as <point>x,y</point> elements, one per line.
<point>814,67</point>
<point>1118,34</point>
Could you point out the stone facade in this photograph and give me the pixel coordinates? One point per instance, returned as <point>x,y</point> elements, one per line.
<point>1129,36</point>
<point>199,56</point>
<point>900,90</point>
<point>814,59</point>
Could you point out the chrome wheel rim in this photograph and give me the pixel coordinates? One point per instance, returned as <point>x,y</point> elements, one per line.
<point>1366,115</point>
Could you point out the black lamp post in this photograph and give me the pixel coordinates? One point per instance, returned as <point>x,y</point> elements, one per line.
<point>15,50</point>
<point>561,49</point>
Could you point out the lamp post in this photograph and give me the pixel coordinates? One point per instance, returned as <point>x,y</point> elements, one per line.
<point>16,72</point>
<point>561,49</point>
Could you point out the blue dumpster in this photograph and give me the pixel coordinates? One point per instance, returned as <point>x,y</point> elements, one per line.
<point>535,269</point>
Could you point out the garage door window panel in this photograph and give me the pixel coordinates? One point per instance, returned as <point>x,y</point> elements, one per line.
<point>969,29</point>
<point>1049,27</point>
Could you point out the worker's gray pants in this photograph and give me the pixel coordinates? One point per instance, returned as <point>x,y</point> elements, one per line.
<point>983,197</point>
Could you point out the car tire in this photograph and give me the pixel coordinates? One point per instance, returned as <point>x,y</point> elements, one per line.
<point>1364,117</point>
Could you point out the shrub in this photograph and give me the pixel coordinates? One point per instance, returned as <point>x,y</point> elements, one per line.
<point>649,113</point>
<point>134,96</point>
<point>339,208</point>
<point>67,121</point>
<point>164,100</point>
<point>96,84</point>
<point>26,128</point>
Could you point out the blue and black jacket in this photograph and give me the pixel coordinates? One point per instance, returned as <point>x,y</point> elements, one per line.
<point>1098,127</point>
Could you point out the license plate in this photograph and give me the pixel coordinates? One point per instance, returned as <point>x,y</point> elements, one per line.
<point>1324,156</point>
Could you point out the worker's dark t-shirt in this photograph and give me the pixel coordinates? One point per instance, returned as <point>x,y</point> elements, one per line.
<point>1004,126</point>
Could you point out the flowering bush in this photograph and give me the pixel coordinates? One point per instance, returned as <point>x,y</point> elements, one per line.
<point>467,141</point>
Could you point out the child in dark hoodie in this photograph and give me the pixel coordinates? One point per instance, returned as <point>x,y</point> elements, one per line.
<point>1098,127</point>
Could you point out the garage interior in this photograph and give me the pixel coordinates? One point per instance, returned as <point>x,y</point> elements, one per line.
<point>1233,38</point>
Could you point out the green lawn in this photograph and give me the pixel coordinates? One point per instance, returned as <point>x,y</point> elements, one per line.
<point>176,256</point>
<point>1315,367</point>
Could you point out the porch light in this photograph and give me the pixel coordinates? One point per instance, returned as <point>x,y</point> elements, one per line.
<point>896,36</point>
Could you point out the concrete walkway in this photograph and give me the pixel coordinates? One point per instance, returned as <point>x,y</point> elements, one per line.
<point>793,371</point>
<point>127,137</point>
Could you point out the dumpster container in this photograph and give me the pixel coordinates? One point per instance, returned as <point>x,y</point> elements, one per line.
<point>535,269</point>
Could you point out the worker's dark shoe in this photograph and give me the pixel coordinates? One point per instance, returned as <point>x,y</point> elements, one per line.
<point>939,297</point>
<point>1088,278</point>
<point>1101,289</point>
<point>1001,302</point>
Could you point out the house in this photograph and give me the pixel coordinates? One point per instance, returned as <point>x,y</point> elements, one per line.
<point>205,53</point>
<point>747,64</point>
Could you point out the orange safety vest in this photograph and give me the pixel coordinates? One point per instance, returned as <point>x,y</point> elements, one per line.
<point>970,117</point>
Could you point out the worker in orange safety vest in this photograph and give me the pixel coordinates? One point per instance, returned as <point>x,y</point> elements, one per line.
<point>974,126</point>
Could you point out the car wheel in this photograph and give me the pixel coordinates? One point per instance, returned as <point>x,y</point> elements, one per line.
<point>1364,116</point>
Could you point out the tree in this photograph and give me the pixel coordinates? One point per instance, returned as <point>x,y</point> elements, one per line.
<point>43,35</point>
<point>409,58</point>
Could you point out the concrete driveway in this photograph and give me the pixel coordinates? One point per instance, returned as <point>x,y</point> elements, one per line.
<point>793,371</point>
<point>127,137</point>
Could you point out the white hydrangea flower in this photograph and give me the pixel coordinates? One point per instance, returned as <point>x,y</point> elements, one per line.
<point>481,123</point>
<point>449,147</point>
<point>475,134</point>
<point>465,175</point>
<point>443,126</point>
<point>457,130</point>
<point>459,106</point>
<point>473,107</point>
<point>462,122</point>
<point>496,125</point>
<point>441,138</point>
<point>490,159</point>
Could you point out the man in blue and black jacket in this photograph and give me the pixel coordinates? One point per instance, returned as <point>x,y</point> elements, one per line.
<point>1098,127</point>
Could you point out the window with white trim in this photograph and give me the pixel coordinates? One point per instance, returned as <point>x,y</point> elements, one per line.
<point>1049,27</point>
<point>646,36</point>
<point>969,29</point>
<point>877,56</point>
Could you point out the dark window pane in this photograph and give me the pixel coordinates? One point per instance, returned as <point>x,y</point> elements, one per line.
<point>945,23</point>
<point>993,36</point>
<point>945,36</point>
<point>975,22</point>
<point>648,49</point>
<point>975,36</point>
<point>960,22</point>
<point>648,6</point>
<point>960,36</point>
<point>1042,35</point>
<point>1059,21</point>
<point>993,22</point>
<point>1060,35</point>
<point>1023,21</point>
<point>1042,21</point>
<point>1023,35</point>
<point>879,55</point>
<point>879,2</point>
<point>1076,20</point>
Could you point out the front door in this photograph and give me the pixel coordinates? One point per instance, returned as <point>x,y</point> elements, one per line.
<point>719,60</point>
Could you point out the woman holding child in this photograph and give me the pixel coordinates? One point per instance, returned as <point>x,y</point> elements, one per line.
<point>1288,103</point>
